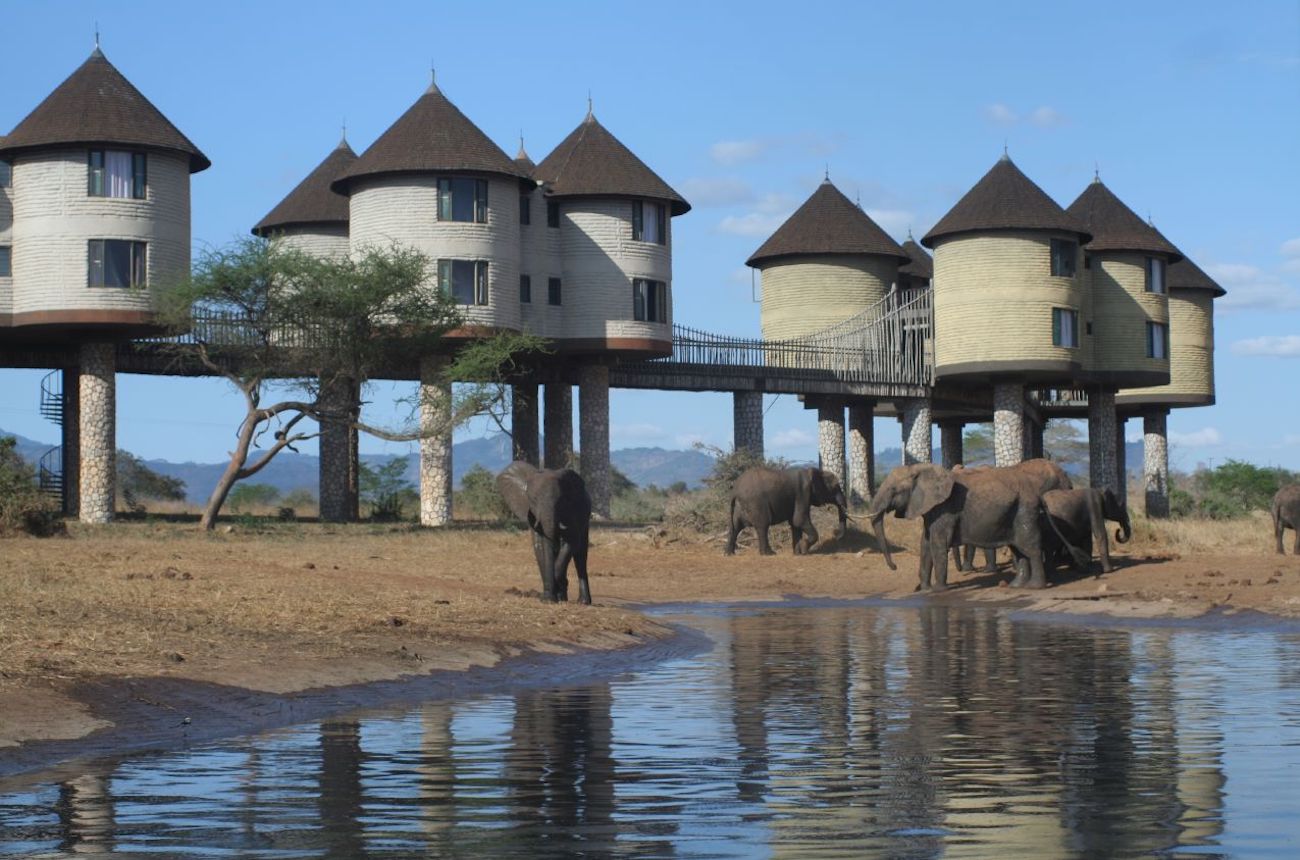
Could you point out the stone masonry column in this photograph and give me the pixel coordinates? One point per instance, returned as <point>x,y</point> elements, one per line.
<point>1102,422</point>
<point>1121,460</point>
<point>917,444</point>
<point>336,454</point>
<point>747,421</point>
<point>1008,423</point>
<point>71,442</point>
<point>950,442</point>
<point>523,422</point>
<point>593,434</point>
<point>435,446</point>
<point>862,452</point>
<point>98,422</point>
<point>830,440</point>
<point>1155,467</point>
<point>558,429</point>
<point>1034,447</point>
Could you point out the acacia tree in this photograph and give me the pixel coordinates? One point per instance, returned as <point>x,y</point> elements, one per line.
<point>271,320</point>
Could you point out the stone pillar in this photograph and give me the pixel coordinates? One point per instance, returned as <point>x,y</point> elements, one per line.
<point>98,396</point>
<point>593,434</point>
<point>558,428</point>
<point>1101,439</point>
<point>830,440</point>
<point>862,452</point>
<point>71,441</point>
<point>1121,460</point>
<point>1035,447</point>
<point>1155,467</point>
<point>747,421</point>
<point>523,422</point>
<point>435,446</point>
<point>336,452</point>
<point>950,442</point>
<point>917,444</point>
<point>1008,423</point>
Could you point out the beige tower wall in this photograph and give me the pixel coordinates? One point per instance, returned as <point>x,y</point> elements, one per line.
<point>600,261</point>
<point>539,257</point>
<point>1191,351</point>
<point>326,241</point>
<point>6,238</point>
<point>403,209</point>
<point>54,219</point>
<point>993,300</point>
<point>1120,310</point>
<point>802,295</point>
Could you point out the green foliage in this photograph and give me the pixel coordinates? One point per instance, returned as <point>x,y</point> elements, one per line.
<point>1233,489</point>
<point>137,482</point>
<point>479,496</point>
<point>299,499</point>
<point>245,497</point>
<point>1066,443</point>
<point>385,489</point>
<point>977,445</point>
<point>23,507</point>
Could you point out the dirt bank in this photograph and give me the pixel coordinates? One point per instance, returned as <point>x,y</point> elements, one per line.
<point>275,612</point>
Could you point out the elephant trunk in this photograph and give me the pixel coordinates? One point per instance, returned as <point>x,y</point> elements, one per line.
<point>878,523</point>
<point>1125,531</point>
<point>842,505</point>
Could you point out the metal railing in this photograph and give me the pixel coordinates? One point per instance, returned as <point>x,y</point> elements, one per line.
<point>49,471</point>
<point>52,396</point>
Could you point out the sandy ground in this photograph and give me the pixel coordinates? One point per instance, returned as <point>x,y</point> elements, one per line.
<point>284,609</point>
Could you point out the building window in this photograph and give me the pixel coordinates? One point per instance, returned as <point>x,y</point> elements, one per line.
<point>649,222</point>
<point>649,300</point>
<point>1065,327</point>
<point>6,174</point>
<point>1155,275</point>
<point>117,263</point>
<point>526,289</point>
<point>1157,340</point>
<point>525,209</point>
<point>463,199</point>
<point>464,280</point>
<point>552,213</point>
<point>1064,254</point>
<point>117,174</point>
<point>553,291</point>
<point>6,261</point>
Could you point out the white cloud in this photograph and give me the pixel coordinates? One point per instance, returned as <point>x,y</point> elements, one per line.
<point>751,224</point>
<point>718,191</point>
<point>1203,438</point>
<point>732,152</point>
<point>637,434</point>
<point>1134,435</point>
<point>1283,346</point>
<point>1291,439</point>
<point>1043,116</point>
<point>793,438</point>
<point>1251,288</point>
<point>999,114</point>
<point>894,221</point>
<point>1046,117</point>
<point>1291,248</point>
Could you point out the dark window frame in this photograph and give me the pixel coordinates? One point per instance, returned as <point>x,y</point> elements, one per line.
<point>526,289</point>
<point>1152,328</point>
<point>660,221</point>
<point>525,209</point>
<point>1061,262</point>
<point>449,196</point>
<point>98,268</point>
<point>554,292</point>
<point>6,261</point>
<point>1059,329</point>
<point>6,174</point>
<point>97,174</point>
<point>478,276</point>
<point>553,214</point>
<point>649,300</point>
<point>1154,264</point>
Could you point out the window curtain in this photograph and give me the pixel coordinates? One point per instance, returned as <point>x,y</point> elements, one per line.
<point>119,168</point>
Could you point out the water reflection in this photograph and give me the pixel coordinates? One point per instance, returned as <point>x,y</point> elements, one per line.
<point>939,732</point>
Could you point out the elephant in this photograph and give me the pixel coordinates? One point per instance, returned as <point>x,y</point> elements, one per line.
<point>1043,473</point>
<point>763,497</point>
<point>982,507</point>
<point>555,505</point>
<point>1286,514</point>
<point>1080,516</point>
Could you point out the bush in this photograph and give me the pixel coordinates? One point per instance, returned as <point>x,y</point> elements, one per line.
<point>23,507</point>
<point>479,496</point>
<point>1231,490</point>
<point>137,482</point>
<point>708,510</point>
<point>299,499</point>
<point>386,489</point>
<point>244,497</point>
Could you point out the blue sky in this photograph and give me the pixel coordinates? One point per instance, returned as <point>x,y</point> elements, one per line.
<point>1190,109</point>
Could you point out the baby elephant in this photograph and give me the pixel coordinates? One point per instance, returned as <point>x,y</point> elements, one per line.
<point>555,505</point>
<point>1286,514</point>
<point>1079,518</point>
<point>763,497</point>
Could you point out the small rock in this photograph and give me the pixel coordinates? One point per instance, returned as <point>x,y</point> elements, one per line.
<point>309,566</point>
<point>442,602</point>
<point>1245,582</point>
<point>1103,588</point>
<point>175,656</point>
<point>395,621</point>
<point>228,530</point>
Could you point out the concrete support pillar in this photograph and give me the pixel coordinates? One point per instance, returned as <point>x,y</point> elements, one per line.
<point>558,428</point>
<point>1121,459</point>
<point>523,422</point>
<point>71,441</point>
<point>1101,439</point>
<point>1033,438</point>
<point>1008,423</point>
<point>830,440</point>
<point>862,452</point>
<point>747,421</point>
<point>435,446</point>
<point>339,472</point>
<point>950,442</point>
<point>98,423</point>
<point>593,434</point>
<point>917,444</point>
<point>1155,467</point>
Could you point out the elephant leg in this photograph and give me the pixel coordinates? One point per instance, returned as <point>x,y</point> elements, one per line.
<point>1021,564</point>
<point>958,559</point>
<point>926,566</point>
<point>990,559</point>
<point>580,565</point>
<point>1029,545</point>
<point>1295,550</point>
<point>796,537</point>
<point>562,571</point>
<point>810,536</point>
<point>968,556</point>
<point>1098,538</point>
<point>546,562</point>
<point>939,558</point>
<point>764,548</point>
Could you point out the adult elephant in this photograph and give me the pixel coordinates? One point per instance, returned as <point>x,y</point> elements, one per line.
<point>1079,517</point>
<point>986,507</point>
<point>1041,473</point>
<point>763,497</point>
<point>1286,515</point>
<point>555,505</point>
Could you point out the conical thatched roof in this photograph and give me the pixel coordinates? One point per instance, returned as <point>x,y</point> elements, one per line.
<point>828,223</point>
<point>1114,226</point>
<point>1005,199</point>
<point>921,265</point>
<point>1186,275</point>
<point>97,105</point>
<point>591,162</point>
<point>313,201</point>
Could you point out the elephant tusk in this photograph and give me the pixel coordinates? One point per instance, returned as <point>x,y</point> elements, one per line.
<point>866,517</point>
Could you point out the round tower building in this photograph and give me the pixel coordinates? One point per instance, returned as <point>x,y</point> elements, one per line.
<point>313,218</point>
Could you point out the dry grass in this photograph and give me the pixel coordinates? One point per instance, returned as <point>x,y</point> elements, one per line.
<point>1251,535</point>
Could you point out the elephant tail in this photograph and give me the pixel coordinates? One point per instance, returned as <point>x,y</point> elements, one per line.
<point>1080,557</point>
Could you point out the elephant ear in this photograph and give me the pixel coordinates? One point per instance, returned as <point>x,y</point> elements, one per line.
<point>931,487</point>
<point>512,483</point>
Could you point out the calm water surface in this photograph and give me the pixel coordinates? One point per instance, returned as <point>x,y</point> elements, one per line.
<point>806,732</point>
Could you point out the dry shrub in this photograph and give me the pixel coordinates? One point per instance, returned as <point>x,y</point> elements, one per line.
<point>1251,534</point>
<point>24,509</point>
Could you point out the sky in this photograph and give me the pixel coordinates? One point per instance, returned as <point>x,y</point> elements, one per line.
<point>1189,110</point>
